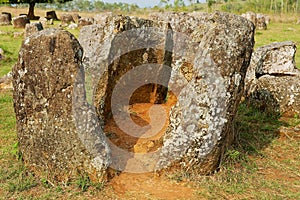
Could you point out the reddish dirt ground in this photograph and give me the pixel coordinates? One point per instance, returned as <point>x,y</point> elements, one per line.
<point>141,184</point>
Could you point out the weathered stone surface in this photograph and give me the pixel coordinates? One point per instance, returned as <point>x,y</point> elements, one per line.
<point>49,101</point>
<point>272,79</point>
<point>33,28</point>
<point>85,21</point>
<point>277,94</point>
<point>51,15</point>
<point>259,20</point>
<point>103,44</point>
<point>45,22</point>
<point>250,16</point>
<point>102,17</point>
<point>7,13</point>
<point>76,17</point>
<point>6,81</point>
<point>21,21</point>
<point>202,59</point>
<point>72,26</point>
<point>5,19</point>
<point>216,59</point>
<point>66,19</point>
<point>261,23</point>
<point>273,59</point>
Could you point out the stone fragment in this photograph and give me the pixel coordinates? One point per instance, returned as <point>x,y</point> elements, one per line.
<point>66,19</point>
<point>7,13</point>
<point>102,17</point>
<point>259,20</point>
<point>21,21</point>
<point>51,15</point>
<point>273,59</point>
<point>76,17</point>
<point>6,81</point>
<point>272,80</point>
<point>261,23</point>
<point>50,107</point>
<point>72,26</point>
<point>5,19</point>
<point>33,28</point>
<point>85,21</point>
<point>251,16</point>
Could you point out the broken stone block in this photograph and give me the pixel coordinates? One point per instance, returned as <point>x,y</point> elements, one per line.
<point>49,104</point>
<point>33,28</point>
<point>5,19</point>
<point>51,15</point>
<point>261,23</point>
<point>251,16</point>
<point>7,13</point>
<point>101,18</point>
<point>131,62</point>
<point>76,17</point>
<point>217,57</point>
<point>277,95</point>
<point>6,80</point>
<point>272,79</point>
<point>273,59</point>
<point>259,20</point>
<point>21,21</point>
<point>66,19</point>
<point>85,21</point>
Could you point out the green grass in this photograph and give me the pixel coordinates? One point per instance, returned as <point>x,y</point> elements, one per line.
<point>258,166</point>
<point>11,46</point>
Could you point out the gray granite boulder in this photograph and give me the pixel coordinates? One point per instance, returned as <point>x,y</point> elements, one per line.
<point>210,69</point>
<point>49,103</point>
<point>272,79</point>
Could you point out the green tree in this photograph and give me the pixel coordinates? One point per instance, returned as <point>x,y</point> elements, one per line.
<point>32,4</point>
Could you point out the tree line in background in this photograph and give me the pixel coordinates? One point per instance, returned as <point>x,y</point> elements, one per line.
<point>262,6</point>
<point>239,6</point>
<point>233,6</point>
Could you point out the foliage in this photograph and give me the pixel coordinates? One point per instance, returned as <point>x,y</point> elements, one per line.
<point>32,1</point>
<point>263,6</point>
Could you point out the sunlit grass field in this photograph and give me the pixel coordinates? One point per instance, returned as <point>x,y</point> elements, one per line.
<point>263,163</point>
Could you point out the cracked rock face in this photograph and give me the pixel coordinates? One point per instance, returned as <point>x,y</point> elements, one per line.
<point>44,81</point>
<point>118,47</point>
<point>206,58</point>
<point>272,80</point>
<point>212,73</point>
